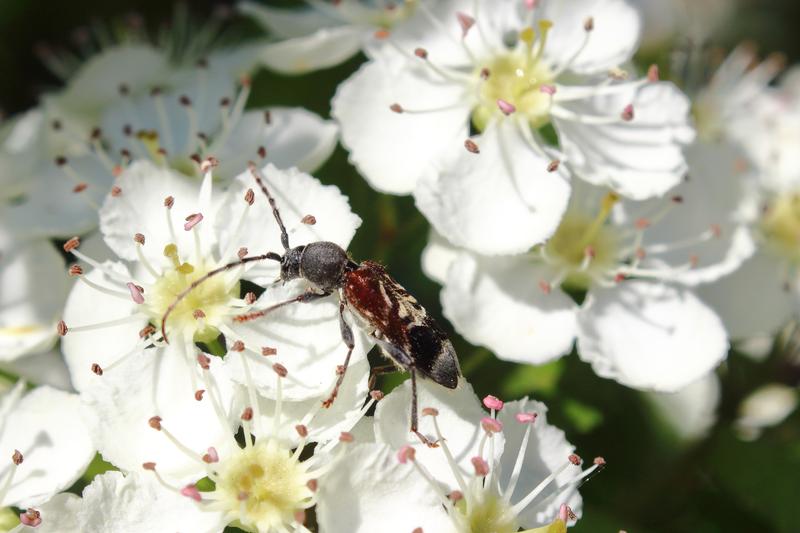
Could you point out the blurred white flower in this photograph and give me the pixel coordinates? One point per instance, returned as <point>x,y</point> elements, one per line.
<point>131,102</point>
<point>510,70</point>
<point>322,34</point>
<point>488,473</point>
<point>44,439</point>
<point>767,406</point>
<point>29,309</point>
<point>684,20</point>
<point>640,323</point>
<point>763,124</point>
<point>692,410</point>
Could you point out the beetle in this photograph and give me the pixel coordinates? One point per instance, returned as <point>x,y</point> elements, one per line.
<point>402,328</point>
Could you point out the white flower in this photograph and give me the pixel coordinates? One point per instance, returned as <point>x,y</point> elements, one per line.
<point>120,503</point>
<point>739,107</point>
<point>130,103</point>
<point>265,485</point>
<point>32,294</point>
<point>168,231</point>
<point>638,323</point>
<point>323,34</point>
<point>45,443</point>
<point>489,473</point>
<point>510,70</point>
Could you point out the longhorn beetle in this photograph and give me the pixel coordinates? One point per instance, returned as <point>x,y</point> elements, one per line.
<point>402,328</point>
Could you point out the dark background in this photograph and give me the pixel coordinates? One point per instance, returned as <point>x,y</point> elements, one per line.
<point>653,482</point>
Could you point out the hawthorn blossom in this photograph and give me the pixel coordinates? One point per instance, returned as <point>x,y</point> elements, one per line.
<point>128,103</point>
<point>29,311</point>
<point>167,230</point>
<point>44,441</point>
<point>263,484</point>
<point>496,473</point>
<point>640,322</point>
<point>516,71</point>
<point>322,34</point>
<point>740,109</point>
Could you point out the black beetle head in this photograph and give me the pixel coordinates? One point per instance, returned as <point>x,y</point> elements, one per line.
<point>290,264</point>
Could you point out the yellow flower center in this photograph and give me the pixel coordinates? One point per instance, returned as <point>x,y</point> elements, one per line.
<point>202,310</point>
<point>780,226</point>
<point>517,79</point>
<point>579,236</point>
<point>263,486</point>
<point>488,513</point>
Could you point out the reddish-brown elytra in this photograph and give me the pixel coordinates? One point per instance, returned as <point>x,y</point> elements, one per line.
<point>400,326</point>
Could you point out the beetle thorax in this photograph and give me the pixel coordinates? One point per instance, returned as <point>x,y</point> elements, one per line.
<point>322,263</point>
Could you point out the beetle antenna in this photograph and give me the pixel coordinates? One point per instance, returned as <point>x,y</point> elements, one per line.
<point>269,255</point>
<point>257,175</point>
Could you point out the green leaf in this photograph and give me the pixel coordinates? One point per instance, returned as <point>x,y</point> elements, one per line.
<point>96,467</point>
<point>584,417</point>
<point>539,381</point>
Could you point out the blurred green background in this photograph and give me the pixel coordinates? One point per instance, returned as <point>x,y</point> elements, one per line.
<point>654,483</point>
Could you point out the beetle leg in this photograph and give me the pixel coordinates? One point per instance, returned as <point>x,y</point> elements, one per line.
<point>347,337</point>
<point>308,296</point>
<point>377,371</point>
<point>403,360</point>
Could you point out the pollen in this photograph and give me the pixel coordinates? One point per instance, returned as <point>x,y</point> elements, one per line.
<point>519,79</point>
<point>213,298</point>
<point>488,513</point>
<point>780,226</point>
<point>583,245</point>
<point>263,486</point>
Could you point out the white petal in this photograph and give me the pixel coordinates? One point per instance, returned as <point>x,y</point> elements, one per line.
<point>381,494</point>
<point>639,159</point>
<point>117,503</point>
<point>692,410</point>
<point>308,343</point>
<point>437,257</point>
<point>169,118</point>
<point>326,424</point>
<point>436,28</point>
<point>767,406</point>
<point>140,209</point>
<point>497,302</point>
<point>500,201</point>
<point>286,22</point>
<point>51,208</point>
<point>96,84</point>
<point>29,310</point>
<point>712,175</point>
<point>758,284</point>
<point>46,368</point>
<point>612,41</point>
<point>297,194</point>
<point>650,336</point>
<point>547,451</point>
<point>293,137</point>
<point>459,418</point>
<point>326,47</point>
<point>394,150</point>
<point>59,515</point>
<point>46,426</point>
<point>87,306</point>
<point>158,382</point>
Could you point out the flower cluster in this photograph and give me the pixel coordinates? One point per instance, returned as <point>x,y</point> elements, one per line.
<point>197,344</point>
